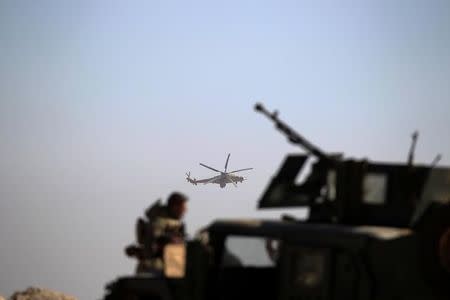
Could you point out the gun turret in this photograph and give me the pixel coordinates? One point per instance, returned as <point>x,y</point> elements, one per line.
<point>355,192</point>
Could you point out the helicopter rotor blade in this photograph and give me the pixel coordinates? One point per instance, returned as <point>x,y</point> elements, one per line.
<point>240,170</point>
<point>210,168</point>
<point>226,164</point>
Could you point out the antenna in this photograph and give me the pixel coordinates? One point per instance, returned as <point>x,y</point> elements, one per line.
<point>436,160</point>
<point>412,149</point>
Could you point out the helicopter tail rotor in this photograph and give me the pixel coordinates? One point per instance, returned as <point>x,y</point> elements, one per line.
<point>188,179</point>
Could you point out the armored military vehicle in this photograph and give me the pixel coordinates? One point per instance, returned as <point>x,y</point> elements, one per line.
<point>374,231</point>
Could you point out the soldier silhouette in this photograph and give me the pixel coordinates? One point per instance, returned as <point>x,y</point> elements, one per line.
<point>163,226</point>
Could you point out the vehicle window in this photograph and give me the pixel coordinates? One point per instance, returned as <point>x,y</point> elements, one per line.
<point>309,266</point>
<point>374,188</point>
<point>249,252</point>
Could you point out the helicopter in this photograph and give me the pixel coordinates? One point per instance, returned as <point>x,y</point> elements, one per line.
<point>223,179</point>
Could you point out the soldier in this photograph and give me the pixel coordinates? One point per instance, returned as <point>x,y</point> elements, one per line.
<point>163,226</point>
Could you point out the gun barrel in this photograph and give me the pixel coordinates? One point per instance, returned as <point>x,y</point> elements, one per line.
<point>291,134</point>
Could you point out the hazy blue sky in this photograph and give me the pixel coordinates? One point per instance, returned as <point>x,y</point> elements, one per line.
<point>104,106</point>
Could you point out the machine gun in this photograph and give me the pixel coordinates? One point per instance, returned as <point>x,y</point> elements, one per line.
<point>291,134</point>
